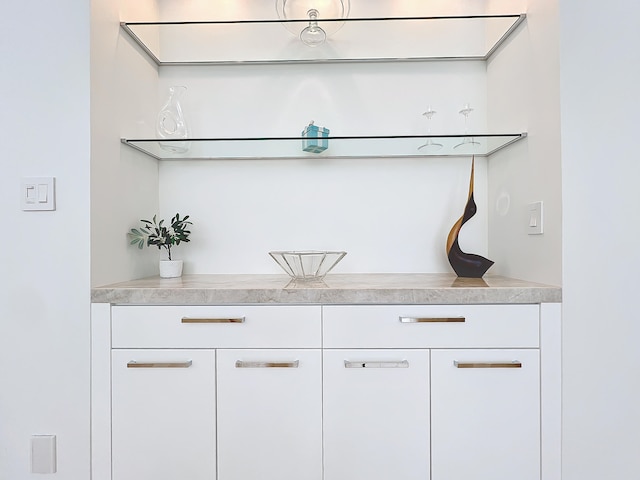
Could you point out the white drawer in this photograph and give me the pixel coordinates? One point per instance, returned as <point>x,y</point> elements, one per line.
<point>427,326</point>
<point>216,327</point>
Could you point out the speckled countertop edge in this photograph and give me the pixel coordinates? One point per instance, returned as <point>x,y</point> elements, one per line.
<point>334,289</point>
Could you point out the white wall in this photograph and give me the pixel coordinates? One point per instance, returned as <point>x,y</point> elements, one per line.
<point>44,334</point>
<point>404,208</point>
<point>600,74</point>
<point>524,94</point>
<point>124,183</point>
<point>44,299</point>
<point>390,215</point>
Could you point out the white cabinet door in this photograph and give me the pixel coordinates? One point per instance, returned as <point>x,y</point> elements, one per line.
<point>163,414</point>
<point>270,414</point>
<point>376,414</point>
<point>485,414</point>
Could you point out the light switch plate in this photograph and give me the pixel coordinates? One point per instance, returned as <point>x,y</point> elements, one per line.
<point>534,219</point>
<point>38,193</point>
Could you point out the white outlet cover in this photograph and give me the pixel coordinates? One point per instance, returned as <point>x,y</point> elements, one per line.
<point>43,454</point>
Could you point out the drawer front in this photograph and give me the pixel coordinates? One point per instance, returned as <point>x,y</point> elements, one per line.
<point>216,327</point>
<point>431,326</point>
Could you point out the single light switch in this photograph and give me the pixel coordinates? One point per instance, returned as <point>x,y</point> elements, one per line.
<point>534,212</point>
<point>38,193</point>
<point>43,454</point>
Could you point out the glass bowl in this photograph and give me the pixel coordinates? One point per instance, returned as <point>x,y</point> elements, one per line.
<point>307,264</point>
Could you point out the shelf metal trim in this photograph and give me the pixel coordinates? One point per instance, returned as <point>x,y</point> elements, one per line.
<point>140,43</point>
<point>138,148</point>
<point>518,19</point>
<point>134,143</point>
<point>317,61</point>
<point>506,35</point>
<point>345,20</point>
<point>497,149</point>
<point>331,137</point>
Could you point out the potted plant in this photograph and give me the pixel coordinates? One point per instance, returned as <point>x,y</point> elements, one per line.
<point>164,236</point>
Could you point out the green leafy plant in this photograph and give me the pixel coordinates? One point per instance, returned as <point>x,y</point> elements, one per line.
<point>157,233</point>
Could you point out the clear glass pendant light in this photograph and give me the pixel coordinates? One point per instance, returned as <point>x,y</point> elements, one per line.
<point>314,31</point>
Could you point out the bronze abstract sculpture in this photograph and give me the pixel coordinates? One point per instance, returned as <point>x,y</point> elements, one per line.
<point>466,264</point>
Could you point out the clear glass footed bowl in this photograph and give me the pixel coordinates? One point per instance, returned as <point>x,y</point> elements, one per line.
<point>307,264</point>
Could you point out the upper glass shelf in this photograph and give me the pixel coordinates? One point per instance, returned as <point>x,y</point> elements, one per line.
<point>469,37</point>
<point>384,146</point>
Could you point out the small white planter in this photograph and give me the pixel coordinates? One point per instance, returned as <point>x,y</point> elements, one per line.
<point>170,268</point>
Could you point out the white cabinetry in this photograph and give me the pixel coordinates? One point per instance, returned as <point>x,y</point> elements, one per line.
<point>485,414</point>
<point>482,399</point>
<point>326,393</point>
<point>376,414</point>
<point>163,414</point>
<point>269,414</point>
<point>180,412</point>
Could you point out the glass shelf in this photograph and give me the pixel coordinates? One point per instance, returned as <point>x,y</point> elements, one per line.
<point>384,146</point>
<point>469,37</point>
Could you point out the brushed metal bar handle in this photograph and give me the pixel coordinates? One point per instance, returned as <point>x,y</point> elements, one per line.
<point>376,364</point>
<point>212,320</point>
<point>432,319</point>
<point>135,364</point>
<point>514,364</point>
<point>248,364</point>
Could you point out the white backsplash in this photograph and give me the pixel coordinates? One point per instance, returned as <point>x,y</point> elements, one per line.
<point>390,215</point>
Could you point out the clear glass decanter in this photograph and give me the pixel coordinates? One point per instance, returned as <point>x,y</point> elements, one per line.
<point>171,124</point>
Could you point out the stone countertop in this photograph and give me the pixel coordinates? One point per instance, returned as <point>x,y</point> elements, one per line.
<point>336,289</point>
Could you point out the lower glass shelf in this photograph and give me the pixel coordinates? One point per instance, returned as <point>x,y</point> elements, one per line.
<point>386,146</point>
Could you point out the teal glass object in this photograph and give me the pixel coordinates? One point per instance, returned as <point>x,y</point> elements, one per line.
<point>315,139</point>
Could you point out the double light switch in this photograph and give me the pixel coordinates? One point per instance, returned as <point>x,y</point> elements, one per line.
<point>38,193</point>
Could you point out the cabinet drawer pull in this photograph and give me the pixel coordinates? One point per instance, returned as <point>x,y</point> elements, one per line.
<point>243,364</point>
<point>212,320</point>
<point>514,364</point>
<point>376,364</point>
<point>432,319</point>
<point>134,364</point>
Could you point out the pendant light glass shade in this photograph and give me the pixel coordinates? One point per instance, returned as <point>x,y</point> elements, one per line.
<point>314,31</point>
